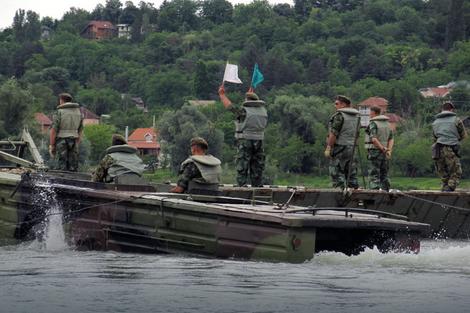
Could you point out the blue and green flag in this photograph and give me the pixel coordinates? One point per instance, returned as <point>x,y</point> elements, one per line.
<point>257,77</point>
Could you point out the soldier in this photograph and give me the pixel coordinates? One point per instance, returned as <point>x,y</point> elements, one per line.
<point>448,131</point>
<point>200,173</point>
<point>379,145</point>
<point>66,133</point>
<point>250,121</point>
<point>120,164</point>
<point>343,128</point>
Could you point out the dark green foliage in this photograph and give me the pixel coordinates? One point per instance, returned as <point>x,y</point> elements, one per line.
<point>308,53</point>
<point>177,129</point>
<point>13,108</point>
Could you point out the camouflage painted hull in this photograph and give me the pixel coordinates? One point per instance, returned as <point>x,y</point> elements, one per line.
<point>448,213</point>
<point>138,219</point>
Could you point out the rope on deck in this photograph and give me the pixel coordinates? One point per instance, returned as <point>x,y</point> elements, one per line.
<point>443,205</point>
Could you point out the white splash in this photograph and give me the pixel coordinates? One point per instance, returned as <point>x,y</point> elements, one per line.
<point>50,234</point>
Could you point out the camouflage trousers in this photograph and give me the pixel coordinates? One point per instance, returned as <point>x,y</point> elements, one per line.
<point>378,170</point>
<point>250,162</point>
<point>340,166</point>
<point>67,154</point>
<point>448,168</point>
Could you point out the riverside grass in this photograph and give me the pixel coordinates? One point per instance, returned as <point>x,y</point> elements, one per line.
<point>401,183</point>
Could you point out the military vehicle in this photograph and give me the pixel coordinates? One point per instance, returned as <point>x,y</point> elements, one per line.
<point>140,219</point>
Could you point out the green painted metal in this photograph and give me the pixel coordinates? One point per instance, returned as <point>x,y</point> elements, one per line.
<point>104,216</point>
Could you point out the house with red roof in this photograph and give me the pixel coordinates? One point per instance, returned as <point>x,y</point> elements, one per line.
<point>99,30</point>
<point>44,122</point>
<point>89,118</point>
<point>435,92</point>
<point>145,140</point>
<point>382,103</point>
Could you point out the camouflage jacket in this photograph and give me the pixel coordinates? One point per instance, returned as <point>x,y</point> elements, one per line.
<point>188,173</point>
<point>99,175</point>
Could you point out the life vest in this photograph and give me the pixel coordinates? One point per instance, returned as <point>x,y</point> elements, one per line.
<point>445,130</point>
<point>70,120</point>
<point>383,132</point>
<point>210,169</point>
<point>348,132</point>
<point>126,161</point>
<point>256,119</point>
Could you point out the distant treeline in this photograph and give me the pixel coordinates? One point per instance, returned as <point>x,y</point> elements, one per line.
<point>308,52</point>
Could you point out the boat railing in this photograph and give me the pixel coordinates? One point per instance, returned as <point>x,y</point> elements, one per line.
<point>347,212</point>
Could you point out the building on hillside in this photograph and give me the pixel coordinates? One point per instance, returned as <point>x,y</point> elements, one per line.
<point>145,140</point>
<point>99,30</point>
<point>124,31</point>
<point>139,104</point>
<point>435,92</point>
<point>394,119</point>
<point>45,32</point>
<point>89,118</point>
<point>44,122</point>
<point>382,103</point>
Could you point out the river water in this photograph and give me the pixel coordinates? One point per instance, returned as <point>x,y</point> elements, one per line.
<point>54,278</point>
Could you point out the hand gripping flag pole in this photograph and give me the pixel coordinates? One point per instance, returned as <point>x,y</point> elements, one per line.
<point>231,74</point>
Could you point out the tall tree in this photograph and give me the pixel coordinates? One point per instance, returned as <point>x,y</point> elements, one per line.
<point>202,87</point>
<point>455,30</point>
<point>13,107</point>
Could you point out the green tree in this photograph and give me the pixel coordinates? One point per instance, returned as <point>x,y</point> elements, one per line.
<point>100,101</point>
<point>177,128</point>
<point>217,11</point>
<point>99,137</point>
<point>202,87</point>
<point>13,107</point>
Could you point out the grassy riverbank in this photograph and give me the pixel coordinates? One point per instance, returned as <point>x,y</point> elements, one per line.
<point>401,183</point>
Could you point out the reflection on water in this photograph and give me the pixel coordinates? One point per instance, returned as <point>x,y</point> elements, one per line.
<point>38,280</point>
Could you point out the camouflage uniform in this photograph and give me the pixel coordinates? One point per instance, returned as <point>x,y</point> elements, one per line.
<point>119,162</point>
<point>188,173</point>
<point>342,153</point>
<point>250,158</point>
<point>68,123</point>
<point>200,173</point>
<point>99,175</point>
<point>378,162</point>
<point>448,131</point>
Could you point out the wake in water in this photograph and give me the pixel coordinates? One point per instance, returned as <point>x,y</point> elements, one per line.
<point>49,233</point>
<point>434,254</point>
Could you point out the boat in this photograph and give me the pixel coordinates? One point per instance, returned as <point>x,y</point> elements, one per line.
<point>448,213</point>
<point>125,218</point>
<point>140,218</point>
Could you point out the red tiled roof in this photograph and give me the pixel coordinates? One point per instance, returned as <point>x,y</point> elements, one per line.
<point>87,114</point>
<point>436,92</point>
<point>374,101</point>
<point>101,24</point>
<point>138,140</point>
<point>42,119</point>
<point>393,118</point>
<point>144,145</point>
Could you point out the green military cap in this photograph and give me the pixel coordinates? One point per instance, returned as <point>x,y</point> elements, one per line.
<point>118,140</point>
<point>66,97</point>
<point>199,141</point>
<point>448,105</point>
<point>251,96</point>
<point>343,99</point>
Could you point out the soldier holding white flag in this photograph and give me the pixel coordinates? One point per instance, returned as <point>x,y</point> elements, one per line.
<point>250,121</point>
